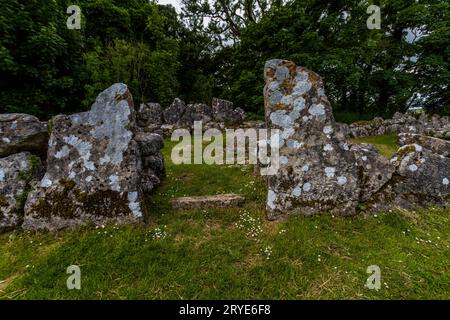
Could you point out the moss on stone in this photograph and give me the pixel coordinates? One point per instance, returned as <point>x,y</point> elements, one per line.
<point>70,203</point>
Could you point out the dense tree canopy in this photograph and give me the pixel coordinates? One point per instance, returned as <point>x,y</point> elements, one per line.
<point>218,48</point>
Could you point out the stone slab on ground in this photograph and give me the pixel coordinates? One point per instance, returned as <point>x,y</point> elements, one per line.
<point>204,202</point>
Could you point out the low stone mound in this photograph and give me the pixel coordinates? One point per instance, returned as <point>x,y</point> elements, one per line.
<point>98,167</point>
<point>206,202</point>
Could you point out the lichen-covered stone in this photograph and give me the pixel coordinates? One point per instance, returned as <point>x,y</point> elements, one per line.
<point>18,175</point>
<point>421,179</point>
<point>321,172</point>
<point>435,126</point>
<point>95,168</point>
<point>174,112</point>
<point>317,170</point>
<point>223,111</point>
<point>21,133</point>
<point>437,146</point>
<point>150,117</point>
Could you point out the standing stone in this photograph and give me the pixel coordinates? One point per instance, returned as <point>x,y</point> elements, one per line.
<point>317,171</point>
<point>22,132</point>
<point>94,167</point>
<point>195,112</point>
<point>223,111</point>
<point>18,174</point>
<point>174,112</point>
<point>150,114</point>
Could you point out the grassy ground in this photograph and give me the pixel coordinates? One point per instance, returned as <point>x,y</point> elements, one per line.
<point>233,253</point>
<point>386,144</point>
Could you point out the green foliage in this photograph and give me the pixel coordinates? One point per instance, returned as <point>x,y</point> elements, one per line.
<point>47,69</point>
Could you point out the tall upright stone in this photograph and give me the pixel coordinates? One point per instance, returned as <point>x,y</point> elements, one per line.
<point>317,172</point>
<point>95,167</point>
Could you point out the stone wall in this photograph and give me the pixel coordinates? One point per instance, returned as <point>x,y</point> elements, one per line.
<point>320,171</point>
<point>434,126</point>
<point>153,118</point>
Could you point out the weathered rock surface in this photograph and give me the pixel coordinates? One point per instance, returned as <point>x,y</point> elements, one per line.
<point>223,111</point>
<point>174,112</point>
<point>150,114</point>
<point>97,170</point>
<point>195,112</point>
<point>321,172</point>
<point>204,202</point>
<point>18,174</point>
<point>421,179</point>
<point>437,146</point>
<point>435,126</point>
<point>22,132</point>
<point>317,171</point>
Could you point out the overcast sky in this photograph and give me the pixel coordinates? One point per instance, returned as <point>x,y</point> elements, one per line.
<point>175,3</point>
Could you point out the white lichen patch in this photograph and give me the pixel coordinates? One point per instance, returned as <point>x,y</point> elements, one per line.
<point>271,197</point>
<point>297,192</point>
<point>114,183</point>
<point>364,158</point>
<point>413,168</point>
<point>83,148</point>
<point>134,205</point>
<point>305,168</point>
<point>281,119</point>
<point>284,160</point>
<point>6,140</point>
<point>445,182</point>
<point>341,180</point>
<point>294,144</point>
<point>2,174</point>
<point>89,179</point>
<point>46,182</point>
<point>317,110</point>
<point>328,130</point>
<point>64,152</point>
<point>328,147</point>
<point>330,172</point>
<point>307,187</point>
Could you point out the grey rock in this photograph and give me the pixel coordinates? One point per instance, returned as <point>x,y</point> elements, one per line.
<point>223,111</point>
<point>205,202</point>
<point>174,112</point>
<point>150,114</point>
<point>95,172</point>
<point>22,132</point>
<point>317,170</point>
<point>18,174</point>
<point>435,145</point>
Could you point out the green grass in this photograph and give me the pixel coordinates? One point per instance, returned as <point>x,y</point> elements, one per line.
<point>223,254</point>
<point>386,144</point>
